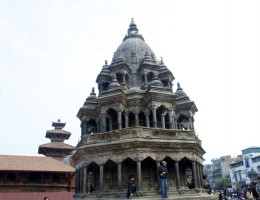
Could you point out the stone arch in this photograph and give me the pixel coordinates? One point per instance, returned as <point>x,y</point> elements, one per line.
<point>150,76</point>
<point>112,122</point>
<point>185,165</point>
<point>172,172</point>
<point>131,119</point>
<point>93,175</point>
<point>129,167</point>
<point>141,118</point>
<point>103,86</point>
<point>149,175</point>
<point>119,77</point>
<point>161,110</point>
<point>110,175</point>
<point>183,122</point>
<point>91,126</point>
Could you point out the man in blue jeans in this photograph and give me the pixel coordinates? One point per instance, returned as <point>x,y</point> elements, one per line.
<point>163,173</point>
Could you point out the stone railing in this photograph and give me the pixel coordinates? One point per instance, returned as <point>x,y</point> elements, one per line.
<point>139,132</point>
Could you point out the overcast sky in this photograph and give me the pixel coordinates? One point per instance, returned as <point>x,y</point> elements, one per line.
<point>51,52</point>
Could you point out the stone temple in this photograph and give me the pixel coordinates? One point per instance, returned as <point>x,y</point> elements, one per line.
<point>134,122</point>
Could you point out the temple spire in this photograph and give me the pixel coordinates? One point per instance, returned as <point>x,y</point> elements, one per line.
<point>132,30</point>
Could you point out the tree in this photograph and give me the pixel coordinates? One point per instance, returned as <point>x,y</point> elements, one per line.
<point>222,182</point>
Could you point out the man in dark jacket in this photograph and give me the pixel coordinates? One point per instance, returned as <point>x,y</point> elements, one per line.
<point>162,172</point>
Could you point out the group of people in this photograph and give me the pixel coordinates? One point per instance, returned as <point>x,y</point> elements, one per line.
<point>251,193</point>
<point>162,173</point>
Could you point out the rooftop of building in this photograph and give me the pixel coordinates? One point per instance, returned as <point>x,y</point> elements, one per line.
<point>32,164</point>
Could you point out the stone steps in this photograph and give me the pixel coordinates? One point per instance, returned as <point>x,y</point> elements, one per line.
<point>151,196</point>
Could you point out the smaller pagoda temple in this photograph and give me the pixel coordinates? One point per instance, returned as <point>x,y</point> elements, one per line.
<point>57,149</point>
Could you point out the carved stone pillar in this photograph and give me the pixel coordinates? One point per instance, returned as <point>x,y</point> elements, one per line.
<point>198,174</point>
<point>119,176</point>
<point>145,78</point>
<point>136,119</point>
<point>147,119</point>
<point>190,124</point>
<point>163,121</point>
<point>195,177</point>
<point>104,123</point>
<point>154,117</point>
<point>124,78</point>
<point>85,179</point>
<point>139,177</point>
<point>126,120</point>
<point>119,119</point>
<point>178,183</point>
<point>175,123</point>
<point>77,180</point>
<point>101,178</point>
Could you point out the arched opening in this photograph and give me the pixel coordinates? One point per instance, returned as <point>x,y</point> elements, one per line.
<point>185,166</point>
<point>110,175</point>
<point>172,173</point>
<point>150,76</point>
<point>141,118</point>
<point>93,175</point>
<point>91,126</point>
<point>113,125</point>
<point>183,122</point>
<point>131,119</point>
<point>149,175</point>
<point>129,167</point>
<point>161,112</point>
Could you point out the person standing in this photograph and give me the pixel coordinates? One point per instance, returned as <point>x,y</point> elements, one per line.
<point>162,172</point>
<point>206,185</point>
<point>257,187</point>
<point>131,188</point>
<point>255,195</point>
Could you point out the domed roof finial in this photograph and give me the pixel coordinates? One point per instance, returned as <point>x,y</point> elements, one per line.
<point>179,86</point>
<point>93,90</point>
<point>132,30</point>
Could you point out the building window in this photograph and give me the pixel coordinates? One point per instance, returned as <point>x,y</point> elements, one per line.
<point>235,177</point>
<point>247,163</point>
<point>258,169</point>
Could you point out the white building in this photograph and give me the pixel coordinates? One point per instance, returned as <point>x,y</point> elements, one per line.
<point>245,171</point>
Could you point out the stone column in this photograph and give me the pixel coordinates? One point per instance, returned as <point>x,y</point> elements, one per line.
<point>119,176</point>
<point>139,177</point>
<point>101,178</point>
<point>145,78</point>
<point>158,178</point>
<point>119,119</point>
<point>80,180</point>
<point>178,183</point>
<point>198,174</point>
<point>190,124</point>
<point>84,128</point>
<point>195,177</point>
<point>154,117</point>
<point>126,120</point>
<point>123,78</point>
<point>136,119</point>
<point>171,119</point>
<point>104,123</point>
<point>76,182</point>
<point>147,119</point>
<point>175,123</point>
<point>163,121</point>
<point>84,179</point>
